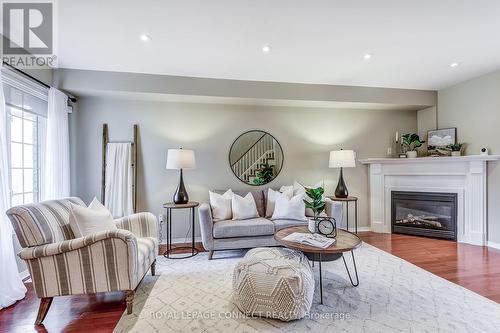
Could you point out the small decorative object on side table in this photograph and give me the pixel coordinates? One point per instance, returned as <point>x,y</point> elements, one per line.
<point>169,206</point>
<point>327,226</point>
<point>347,200</point>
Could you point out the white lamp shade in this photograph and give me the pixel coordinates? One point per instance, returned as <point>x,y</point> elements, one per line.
<point>180,159</point>
<point>342,159</point>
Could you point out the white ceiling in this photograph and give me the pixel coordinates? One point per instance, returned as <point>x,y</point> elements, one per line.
<point>412,42</point>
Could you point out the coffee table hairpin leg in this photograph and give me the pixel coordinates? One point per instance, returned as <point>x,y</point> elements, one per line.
<point>348,273</point>
<point>320,281</point>
<point>355,270</point>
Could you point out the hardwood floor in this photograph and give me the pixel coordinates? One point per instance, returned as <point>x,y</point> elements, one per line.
<point>475,268</point>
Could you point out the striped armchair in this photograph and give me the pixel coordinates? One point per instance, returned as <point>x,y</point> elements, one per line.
<point>61,264</point>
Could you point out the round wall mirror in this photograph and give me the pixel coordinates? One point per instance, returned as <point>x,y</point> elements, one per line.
<point>256,157</point>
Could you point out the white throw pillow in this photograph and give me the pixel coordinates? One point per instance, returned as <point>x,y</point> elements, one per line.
<point>85,221</point>
<point>271,198</point>
<point>286,208</point>
<point>244,208</point>
<point>284,188</point>
<point>221,205</point>
<point>299,188</point>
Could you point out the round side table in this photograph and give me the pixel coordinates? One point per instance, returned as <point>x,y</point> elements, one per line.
<point>169,206</point>
<point>347,200</point>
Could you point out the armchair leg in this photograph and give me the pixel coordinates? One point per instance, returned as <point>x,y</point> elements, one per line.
<point>45,303</point>
<point>153,268</point>
<point>129,299</point>
<point>210,254</point>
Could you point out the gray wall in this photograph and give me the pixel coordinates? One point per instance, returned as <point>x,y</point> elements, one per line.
<point>87,81</point>
<point>306,135</point>
<point>474,108</point>
<point>426,120</point>
<point>44,75</point>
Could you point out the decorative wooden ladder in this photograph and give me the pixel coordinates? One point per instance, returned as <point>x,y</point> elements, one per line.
<point>105,141</point>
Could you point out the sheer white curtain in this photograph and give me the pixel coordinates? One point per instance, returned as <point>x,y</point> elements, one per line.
<point>12,288</point>
<point>56,172</point>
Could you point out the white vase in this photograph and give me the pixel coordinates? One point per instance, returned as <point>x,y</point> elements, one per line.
<point>411,154</point>
<point>312,225</point>
<point>456,153</point>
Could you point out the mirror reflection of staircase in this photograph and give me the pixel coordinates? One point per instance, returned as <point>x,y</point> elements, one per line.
<point>254,159</point>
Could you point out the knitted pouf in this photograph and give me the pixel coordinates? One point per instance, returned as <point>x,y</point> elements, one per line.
<point>275,283</point>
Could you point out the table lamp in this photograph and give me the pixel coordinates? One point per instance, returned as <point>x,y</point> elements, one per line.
<point>342,159</point>
<point>179,159</point>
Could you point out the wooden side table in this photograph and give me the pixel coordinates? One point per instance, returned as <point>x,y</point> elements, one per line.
<point>346,201</point>
<point>169,206</point>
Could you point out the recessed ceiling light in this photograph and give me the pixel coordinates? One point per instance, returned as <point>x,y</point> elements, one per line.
<point>454,64</point>
<point>367,56</point>
<point>145,37</point>
<point>266,48</point>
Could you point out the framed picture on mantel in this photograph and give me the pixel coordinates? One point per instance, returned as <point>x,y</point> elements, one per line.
<point>438,140</point>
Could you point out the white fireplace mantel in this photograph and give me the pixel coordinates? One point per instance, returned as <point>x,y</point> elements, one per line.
<point>463,175</point>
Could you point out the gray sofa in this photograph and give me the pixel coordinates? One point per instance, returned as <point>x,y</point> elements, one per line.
<point>257,232</point>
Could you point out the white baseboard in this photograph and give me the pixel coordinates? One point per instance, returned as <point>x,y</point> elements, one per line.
<point>494,245</point>
<point>363,229</point>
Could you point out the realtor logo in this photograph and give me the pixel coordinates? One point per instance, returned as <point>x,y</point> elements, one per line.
<point>27,28</point>
<point>28,34</point>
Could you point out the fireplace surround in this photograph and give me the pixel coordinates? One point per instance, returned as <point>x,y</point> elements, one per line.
<point>430,214</point>
<point>465,176</point>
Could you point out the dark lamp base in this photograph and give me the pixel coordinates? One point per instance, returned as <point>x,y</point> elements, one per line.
<point>341,190</point>
<point>181,197</point>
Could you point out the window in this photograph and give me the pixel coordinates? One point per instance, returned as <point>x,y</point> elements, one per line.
<point>26,124</point>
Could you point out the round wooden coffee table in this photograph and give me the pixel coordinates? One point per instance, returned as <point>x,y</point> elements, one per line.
<point>346,241</point>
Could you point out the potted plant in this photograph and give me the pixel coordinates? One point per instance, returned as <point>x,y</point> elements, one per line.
<point>264,175</point>
<point>316,203</point>
<point>456,149</point>
<point>412,142</point>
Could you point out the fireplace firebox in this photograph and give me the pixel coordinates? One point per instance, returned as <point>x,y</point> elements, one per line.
<point>424,214</point>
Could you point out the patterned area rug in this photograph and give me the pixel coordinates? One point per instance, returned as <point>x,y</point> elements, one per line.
<point>194,295</point>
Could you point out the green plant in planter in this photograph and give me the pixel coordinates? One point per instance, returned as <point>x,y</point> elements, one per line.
<point>412,141</point>
<point>455,147</point>
<point>316,202</point>
<point>264,175</point>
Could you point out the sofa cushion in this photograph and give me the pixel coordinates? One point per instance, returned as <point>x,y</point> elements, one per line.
<point>251,227</point>
<point>282,224</point>
<point>258,195</point>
